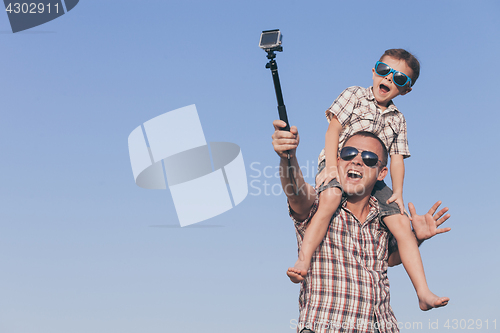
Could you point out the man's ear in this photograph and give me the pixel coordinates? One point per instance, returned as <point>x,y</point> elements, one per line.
<point>382,173</point>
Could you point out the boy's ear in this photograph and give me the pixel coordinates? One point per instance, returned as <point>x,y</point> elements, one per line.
<point>382,173</point>
<point>407,90</point>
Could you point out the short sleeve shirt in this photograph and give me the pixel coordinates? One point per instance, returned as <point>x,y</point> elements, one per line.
<point>346,288</point>
<point>356,110</point>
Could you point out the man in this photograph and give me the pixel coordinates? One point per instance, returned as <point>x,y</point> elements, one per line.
<point>346,288</point>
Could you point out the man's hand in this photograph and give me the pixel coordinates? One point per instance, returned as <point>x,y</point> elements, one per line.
<point>326,175</point>
<point>425,226</point>
<point>285,142</point>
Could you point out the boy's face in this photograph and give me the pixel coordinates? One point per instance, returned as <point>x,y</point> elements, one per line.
<point>384,89</point>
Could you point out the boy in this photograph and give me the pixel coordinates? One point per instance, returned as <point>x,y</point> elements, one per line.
<point>359,109</point>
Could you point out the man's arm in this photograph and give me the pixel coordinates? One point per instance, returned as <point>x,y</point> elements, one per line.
<point>424,227</point>
<point>301,195</point>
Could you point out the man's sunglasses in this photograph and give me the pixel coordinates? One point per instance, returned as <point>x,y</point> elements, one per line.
<point>399,78</point>
<point>369,158</point>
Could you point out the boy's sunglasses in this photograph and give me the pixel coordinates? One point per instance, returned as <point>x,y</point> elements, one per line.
<point>369,158</point>
<point>399,78</point>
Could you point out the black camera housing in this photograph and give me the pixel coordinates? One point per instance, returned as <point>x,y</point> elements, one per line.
<point>270,40</point>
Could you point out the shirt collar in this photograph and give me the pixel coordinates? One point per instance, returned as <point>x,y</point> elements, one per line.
<point>372,214</point>
<point>391,108</point>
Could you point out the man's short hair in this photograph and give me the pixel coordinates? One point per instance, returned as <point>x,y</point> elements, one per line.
<point>366,134</point>
<point>409,58</point>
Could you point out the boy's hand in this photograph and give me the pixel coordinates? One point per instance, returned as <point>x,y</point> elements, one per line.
<point>425,226</point>
<point>398,198</point>
<point>285,142</point>
<point>326,175</point>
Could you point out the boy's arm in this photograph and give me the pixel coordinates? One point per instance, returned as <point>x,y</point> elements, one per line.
<point>331,149</point>
<point>397,177</point>
<point>424,227</point>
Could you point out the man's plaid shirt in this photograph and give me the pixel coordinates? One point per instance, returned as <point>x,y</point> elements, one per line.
<point>346,288</point>
<point>356,110</point>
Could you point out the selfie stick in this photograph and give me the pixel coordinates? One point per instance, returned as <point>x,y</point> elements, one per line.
<point>277,87</point>
<point>273,66</point>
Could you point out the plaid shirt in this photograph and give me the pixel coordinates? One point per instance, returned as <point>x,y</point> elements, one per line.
<point>357,110</point>
<point>346,288</point>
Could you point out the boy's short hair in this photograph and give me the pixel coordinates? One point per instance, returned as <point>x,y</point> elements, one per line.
<point>409,58</point>
<point>366,134</point>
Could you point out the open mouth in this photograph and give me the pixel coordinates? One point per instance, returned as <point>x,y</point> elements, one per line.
<point>383,88</point>
<point>353,174</point>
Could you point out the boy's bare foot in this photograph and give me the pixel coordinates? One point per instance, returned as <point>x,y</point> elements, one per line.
<point>296,275</point>
<point>298,272</point>
<point>429,301</point>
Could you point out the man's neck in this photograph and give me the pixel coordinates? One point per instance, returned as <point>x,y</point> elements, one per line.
<point>359,206</point>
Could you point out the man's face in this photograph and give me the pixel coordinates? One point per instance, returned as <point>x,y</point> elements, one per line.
<point>356,178</point>
<point>384,89</point>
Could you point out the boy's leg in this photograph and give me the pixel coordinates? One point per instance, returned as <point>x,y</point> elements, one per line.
<point>400,227</point>
<point>329,201</point>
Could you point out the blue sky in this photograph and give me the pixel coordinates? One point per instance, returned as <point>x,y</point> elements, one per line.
<point>83,249</point>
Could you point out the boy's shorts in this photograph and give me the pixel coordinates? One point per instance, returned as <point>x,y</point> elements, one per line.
<point>381,192</point>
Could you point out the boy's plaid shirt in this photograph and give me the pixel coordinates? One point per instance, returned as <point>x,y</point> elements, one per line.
<point>356,110</point>
<point>346,288</point>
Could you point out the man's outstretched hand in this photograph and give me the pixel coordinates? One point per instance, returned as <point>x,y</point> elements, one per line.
<point>426,226</point>
<point>285,142</point>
